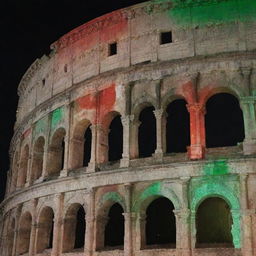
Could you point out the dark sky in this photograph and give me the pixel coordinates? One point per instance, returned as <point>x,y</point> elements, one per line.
<point>27,28</point>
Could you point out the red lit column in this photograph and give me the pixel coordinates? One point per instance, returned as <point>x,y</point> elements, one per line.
<point>197,131</point>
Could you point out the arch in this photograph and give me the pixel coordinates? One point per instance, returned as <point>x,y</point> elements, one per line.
<point>38,158</point>
<point>147,132</point>
<point>74,228</point>
<point>56,152</point>
<point>81,144</point>
<point>24,233</point>
<point>208,92</point>
<point>213,223</point>
<point>161,224</point>
<point>115,139</point>
<point>10,237</point>
<point>104,205</point>
<point>169,97</point>
<point>223,121</point>
<point>219,190</point>
<point>141,104</point>
<point>22,176</point>
<point>45,229</point>
<point>177,126</point>
<point>114,229</point>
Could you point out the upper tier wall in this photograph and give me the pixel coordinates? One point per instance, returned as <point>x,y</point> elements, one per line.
<point>83,53</point>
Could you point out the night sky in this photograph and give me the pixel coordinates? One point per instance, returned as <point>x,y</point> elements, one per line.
<point>28,27</point>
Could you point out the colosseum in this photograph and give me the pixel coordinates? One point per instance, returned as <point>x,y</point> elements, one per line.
<point>137,131</point>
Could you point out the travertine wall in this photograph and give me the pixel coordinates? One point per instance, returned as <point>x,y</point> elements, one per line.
<point>79,86</point>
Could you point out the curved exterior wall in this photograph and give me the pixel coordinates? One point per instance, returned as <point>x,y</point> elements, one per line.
<point>79,85</point>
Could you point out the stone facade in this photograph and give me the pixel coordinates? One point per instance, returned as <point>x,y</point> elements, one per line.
<point>85,83</point>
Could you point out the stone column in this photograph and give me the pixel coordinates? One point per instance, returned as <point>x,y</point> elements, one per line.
<point>15,240</point>
<point>126,141</point>
<point>64,172</point>
<point>92,163</point>
<point>57,228</point>
<point>159,135</point>
<point>128,246</point>
<point>247,247</point>
<point>197,131</point>
<point>46,148</point>
<point>134,138</point>
<point>248,106</point>
<point>140,242</point>
<point>193,228</point>
<point>102,144</point>
<point>90,225</point>
<point>33,229</point>
<point>75,157</point>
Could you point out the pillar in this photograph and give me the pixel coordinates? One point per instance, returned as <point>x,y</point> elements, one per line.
<point>140,231</point>
<point>248,106</point>
<point>247,248</point>
<point>134,138</point>
<point>90,225</point>
<point>126,141</point>
<point>57,229</point>
<point>75,157</point>
<point>17,221</point>
<point>92,163</point>
<point>102,144</point>
<point>197,131</point>
<point>159,134</point>
<point>64,172</point>
<point>128,245</point>
<point>33,229</point>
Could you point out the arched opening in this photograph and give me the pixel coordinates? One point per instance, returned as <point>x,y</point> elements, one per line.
<point>23,167</point>
<point>10,236</point>
<point>56,153</point>
<point>45,230</point>
<point>147,132</point>
<point>213,224</point>
<point>115,139</point>
<point>177,127</point>
<point>87,146</point>
<point>81,144</point>
<point>74,228</point>
<point>24,234</point>
<point>38,158</point>
<point>160,224</point>
<point>223,121</point>
<point>114,230</point>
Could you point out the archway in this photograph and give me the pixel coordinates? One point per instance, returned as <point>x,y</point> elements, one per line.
<point>147,132</point>
<point>177,127</point>
<point>223,121</point>
<point>74,228</point>
<point>15,171</point>
<point>45,230</point>
<point>160,224</point>
<point>38,157</point>
<point>56,153</point>
<point>213,224</point>
<point>114,230</point>
<point>115,139</point>
<point>87,146</point>
<point>24,233</point>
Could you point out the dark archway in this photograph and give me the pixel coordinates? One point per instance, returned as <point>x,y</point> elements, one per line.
<point>80,228</point>
<point>147,132</point>
<point>223,121</point>
<point>114,230</point>
<point>87,146</point>
<point>45,230</point>
<point>115,139</point>
<point>177,127</point>
<point>161,223</point>
<point>213,224</point>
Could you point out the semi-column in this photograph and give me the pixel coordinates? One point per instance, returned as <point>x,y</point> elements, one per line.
<point>159,134</point>
<point>126,141</point>
<point>247,248</point>
<point>197,131</point>
<point>58,216</point>
<point>92,163</point>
